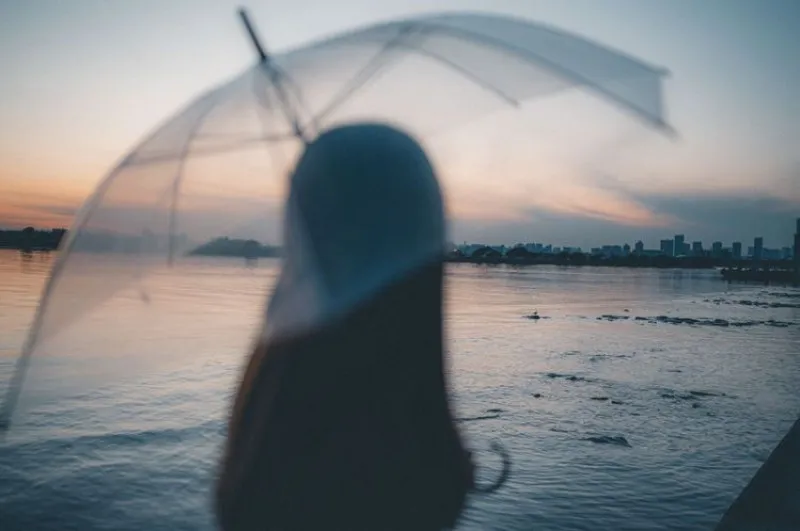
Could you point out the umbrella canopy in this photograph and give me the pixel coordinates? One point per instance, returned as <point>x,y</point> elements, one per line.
<point>211,179</point>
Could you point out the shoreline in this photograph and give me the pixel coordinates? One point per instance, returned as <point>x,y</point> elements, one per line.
<point>771,272</point>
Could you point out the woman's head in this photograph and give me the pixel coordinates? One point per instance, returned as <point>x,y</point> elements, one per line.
<point>342,419</point>
<point>364,209</point>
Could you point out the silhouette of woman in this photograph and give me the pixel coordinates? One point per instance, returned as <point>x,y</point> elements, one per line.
<point>342,420</point>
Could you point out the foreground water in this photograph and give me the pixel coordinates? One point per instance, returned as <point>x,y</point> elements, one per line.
<point>612,423</point>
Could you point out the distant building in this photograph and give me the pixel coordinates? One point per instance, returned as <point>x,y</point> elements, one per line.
<point>668,247</point>
<point>679,241</point>
<point>716,249</point>
<point>531,247</point>
<point>786,253</point>
<point>638,247</point>
<point>626,250</point>
<point>758,249</point>
<point>737,250</point>
<point>697,248</point>
<point>611,251</point>
<point>797,251</point>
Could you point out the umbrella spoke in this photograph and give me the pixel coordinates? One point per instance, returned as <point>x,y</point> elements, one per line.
<point>367,72</point>
<point>465,73</point>
<point>562,71</point>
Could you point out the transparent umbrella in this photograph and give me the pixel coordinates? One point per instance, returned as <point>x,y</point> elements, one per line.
<point>211,179</point>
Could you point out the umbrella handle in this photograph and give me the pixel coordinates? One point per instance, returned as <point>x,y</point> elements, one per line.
<point>504,473</point>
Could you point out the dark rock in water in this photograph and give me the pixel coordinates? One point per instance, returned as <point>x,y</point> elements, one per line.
<point>570,377</point>
<point>696,405</point>
<point>494,410</point>
<point>675,396</point>
<point>609,439</point>
<point>777,324</point>
<point>626,310</point>
<point>609,317</point>
<point>537,395</point>
<point>759,304</point>
<point>724,323</point>
<point>617,402</point>
<point>599,398</point>
<point>702,393</point>
<point>784,294</point>
<point>535,316</point>
<point>674,370</point>
<point>480,417</point>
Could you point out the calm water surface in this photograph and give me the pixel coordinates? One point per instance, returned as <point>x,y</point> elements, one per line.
<point>612,424</point>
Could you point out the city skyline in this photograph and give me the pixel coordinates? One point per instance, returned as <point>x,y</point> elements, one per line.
<point>736,249</point>
<point>565,166</point>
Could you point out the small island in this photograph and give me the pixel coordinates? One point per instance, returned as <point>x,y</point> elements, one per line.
<point>30,239</point>
<point>236,248</point>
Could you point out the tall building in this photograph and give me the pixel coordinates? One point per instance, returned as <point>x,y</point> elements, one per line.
<point>668,247</point>
<point>758,248</point>
<point>638,248</point>
<point>716,249</point>
<point>626,250</point>
<point>697,248</point>
<point>797,252</point>
<point>678,247</point>
<point>737,250</point>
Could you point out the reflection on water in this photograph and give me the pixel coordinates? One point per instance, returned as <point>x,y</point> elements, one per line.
<point>612,423</point>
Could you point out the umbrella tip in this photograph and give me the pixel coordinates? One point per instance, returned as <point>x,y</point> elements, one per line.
<point>262,54</point>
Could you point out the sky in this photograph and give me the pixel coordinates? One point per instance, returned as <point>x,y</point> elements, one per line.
<point>83,81</point>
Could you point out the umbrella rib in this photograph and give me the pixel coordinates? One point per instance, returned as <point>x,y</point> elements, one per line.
<point>350,90</point>
<point>261,96</point>
<point>21,367</point>
<point>464,72</point>
<point>366,73</point>
<point>277,76</point>
<point>176,185</point>
<point>242,144</point>
<point>538,60</point>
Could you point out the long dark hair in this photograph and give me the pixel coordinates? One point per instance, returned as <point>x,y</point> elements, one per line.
<point>350,427</point>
